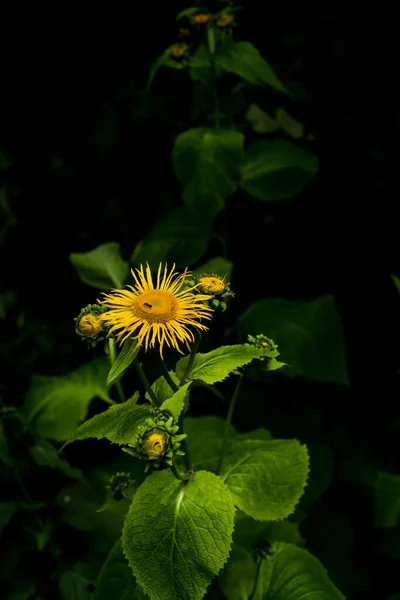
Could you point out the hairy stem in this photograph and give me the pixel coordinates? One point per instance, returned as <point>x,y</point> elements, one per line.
<point>174,387</point>
<point>256,579</point>
<point>211,52</point>
<point>228,424</point>
<point>191,358</point>
<point>145,381</point>
<point>112,353</point>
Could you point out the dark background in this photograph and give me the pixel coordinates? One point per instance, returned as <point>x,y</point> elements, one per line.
<point>90,163</point>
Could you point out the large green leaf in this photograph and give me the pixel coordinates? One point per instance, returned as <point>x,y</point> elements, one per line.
<point>56,405</point>
<point>216,266</point>
<point>205,435</point>
<point>218,364</point>
<point>177,535</point>
<point>125,358</point>
<point>293,573</point>
<point>175,404</point>
<point>309,334</point>
<point>266,478</point>
<point>176,238</point>
<point>287,573</point>
<point>243,59</point>
<point>115,580</point>
<point>117,424</point>
<point>207,162</point>
<point>102,267</point>
<point>277,169</point>
<point>45,455</point>
<point>387,499</point>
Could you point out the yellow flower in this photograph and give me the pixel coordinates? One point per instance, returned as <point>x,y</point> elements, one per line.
<point>160,314</point>
<point>90,325</point>
<point>155,443</point>
<point>211,284</point>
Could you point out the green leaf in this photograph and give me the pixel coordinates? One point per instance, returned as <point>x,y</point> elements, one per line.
<point>396,282</point>
<point>45,455</point>
<point>74,586</point>
<point>7,511</point>
<point>5,456</point>
<point>177,534</point>
<point>56,405</point>
<point>292,572</point>
<point>207,163</point>
<point>115,580</point>
<point>309,333</point>
<point>205,435</point>
<point>192,10</point>
<point>117,424</point>
<point>176,403</point>
<point>277,169</point>
<point>162,389</point>
<point>238,576</point>
<point>266,478</point>
<point>217,266</point>
<point>129,352</point>
<point>218,364</point>
<point>249,532</point>
<point>101,268</point>
<point>260,121</point>
<point>387,499</point>
<point>244,60</point>
<point>176,238</point>
<point>164,60</point>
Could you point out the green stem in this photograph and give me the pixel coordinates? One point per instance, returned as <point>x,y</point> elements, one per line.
<point>256,579</point>
<point>109,401</point>
<point>145,381</point>
<point>211,52</point>
<point>191,358</point>
<point>186,458</point>
<point>28,497</point>
<point>178,473</point>
<point>112,353</point>
<point>228,424</point>
<point>174,387</point>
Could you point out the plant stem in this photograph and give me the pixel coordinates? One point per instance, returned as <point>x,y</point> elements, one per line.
<point>256,579</point>
<point>145,382</point>
<point>174,387</point>
<point>186,458</point>
<point>112,353</point>
<point>28,497</point>
<point>228,424</point>
<point>178,473</point>
<point>191,358</point>
<point>211,52</point>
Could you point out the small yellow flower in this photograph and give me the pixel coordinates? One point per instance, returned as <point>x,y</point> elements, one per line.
<point>155,443</point>
<point>90,325</point>
<point>211,284</point>
<point>224,20</point>
<point>156,314</point>
<point>178,51</point>
<point>201,18</point>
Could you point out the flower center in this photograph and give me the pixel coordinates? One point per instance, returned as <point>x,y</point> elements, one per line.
<point>155,443</point>
<point>156,306</point>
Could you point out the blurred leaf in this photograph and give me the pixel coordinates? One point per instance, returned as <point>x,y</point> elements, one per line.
<point>396,281</point>
<point>243,59</point>
<point>387,499</point>
<point>289,124</point>
<point>74,586</point>
<point>125,358</point>
<point>266,478</point>
<point>7,299</point>
<point>260,121</point>
<point>7,511</point>
<point>207,163</point>
<point>176,238</point>
<point>218,364</point>
<point>189,12</point>
<point>200,67</point>
<point>117,424</point>
<point>277,169</point>
<point>205,435</point>
<point>5,456</point>
<point>238,575</point>
<point>102,268</point>
<point>309,334</point>
<point>45,455</point>
<point>115,580</point>
<point>249,532</point>
<point>55,405</point>
<point>187,526</point>
<point>216,266</point>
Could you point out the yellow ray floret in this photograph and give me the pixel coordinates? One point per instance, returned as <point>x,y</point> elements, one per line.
<point>156,314</point>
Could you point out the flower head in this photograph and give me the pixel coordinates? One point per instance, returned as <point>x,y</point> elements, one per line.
<point>89,324</point>
<point>216,286</point>
<point>156,314</point>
